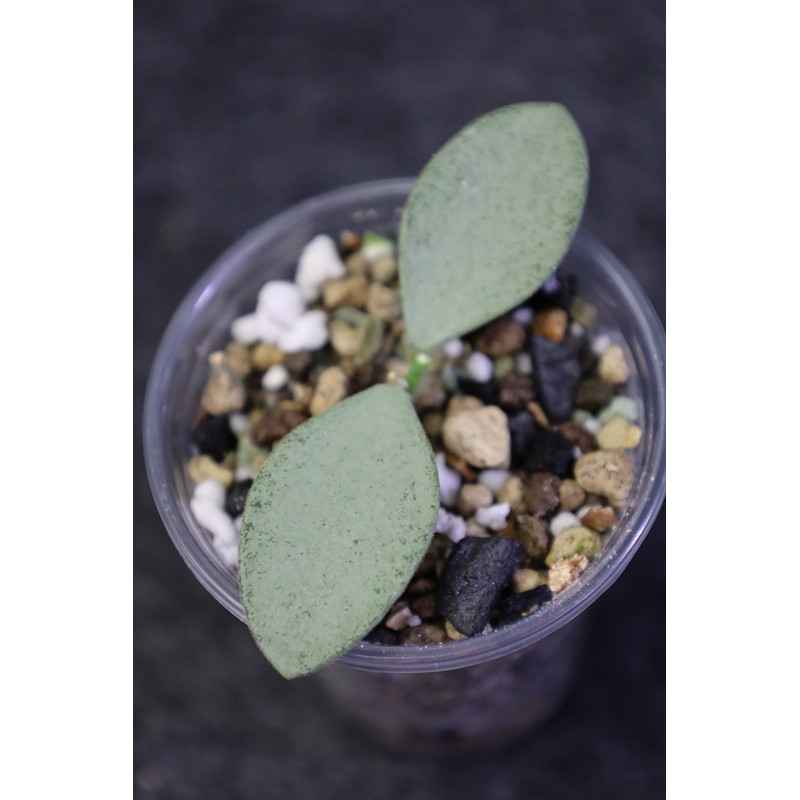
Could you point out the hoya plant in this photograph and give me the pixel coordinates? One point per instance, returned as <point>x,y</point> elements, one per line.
<point>345,506</point>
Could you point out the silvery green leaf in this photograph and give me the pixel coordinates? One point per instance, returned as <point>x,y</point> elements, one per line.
<point>335,524</point>
<point>489,219</point>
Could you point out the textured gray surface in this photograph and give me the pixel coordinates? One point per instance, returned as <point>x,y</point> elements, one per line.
<point>244,108</point>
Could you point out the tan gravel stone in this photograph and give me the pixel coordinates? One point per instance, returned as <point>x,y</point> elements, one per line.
<point>472,497</point>
<point>612,366</point>
<point>480,436</point>
<point>564,572</point>
<point>608,473</point>
<point>330,389</point>
<point>619,434</point>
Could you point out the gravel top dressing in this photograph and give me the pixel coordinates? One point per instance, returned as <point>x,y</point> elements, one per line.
<point>527,417</point>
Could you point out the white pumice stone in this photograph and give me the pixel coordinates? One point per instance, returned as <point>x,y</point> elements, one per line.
<point>309,332</point>
<point>599,343</point>
<point>216,520</point>
<point>319,262</point>
<point>276,377</point>
<point>209,491</point>
<point>592,425</point>
<point>480,367</point>
<point>494,517</point>
<point>453,348</point>
<point>493,479</point>
<point>449,481</point>
<point>576,329</point>
<point>523,363</point>
<point>523,315</point>
<point>562,521</point>
<point>451,525</point>
<point>282,302</point>
<point>244,473</point>
<point>246,329</point>
<point>240,423</point>
<point>228,553</point>
<point>237,523</point>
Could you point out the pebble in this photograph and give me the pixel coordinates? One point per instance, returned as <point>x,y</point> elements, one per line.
<point>548,451</point>
<point>423,634</point>
<point>472,579</point>
<point>563,520</point>
<point>564,572</point>
<point>350,291</point>
<point>494,517</point>
<point>612,366</point>
<point>570,495</point>
<point>224,392</point>
<point>319,262</point>
<point>485,391</point>
<point>479,436</point>
<point>620,406</point>
<point>275,423</point>
<point>309,332</point>
<point>402,617</point>
<point>531,533</point>
<point>525,579</point>
<point>237,496</point>
<point>451,525</point>
<point>551,323</point>
<point>449,481</point>
<point>474,529</point>
<point>594,393</point>
<point>383,302</point>
<point>523,315</point>
<point>576,540</point>
<point>516,606</point>
<point>599,343</point>
<point>213,436</point>
<point>331,387</point>
<point>541,494</point>
<point>264,355</point>
<point>281,302</point>
<point>276,377</point>
<point>516,391</point>
<point>383,268</point>
<point>472,497</point>
<point>479,367</point>
<point>598,518</point>
<point>513,493</point>
<point>237,358</point>
<point>557,371</point>
<point>494,479</point>
<point>582,311</point>
<point>453,348</point>
<point>606,472</point>
<point>579,436</point>
<point>502,337</point>
<point>619,434</point>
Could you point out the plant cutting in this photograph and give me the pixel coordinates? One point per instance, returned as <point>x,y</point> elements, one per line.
<point>345,506</point>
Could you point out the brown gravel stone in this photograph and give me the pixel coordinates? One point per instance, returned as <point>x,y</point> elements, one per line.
<point>237,358</point>
<point>224,392</point>
<point>599,518</point>
<point>503,337</point>
<point>349,241</point>
<point>564,571</point>
<point>264,355</point>
<point>472,497</point>
<point>383,302</point>
<point>578,435</point>
<point>480,437</point>
<point>425,606</point>
<point>537,412</point>
<point>531,533</point>
<point>594,394</point>
<point>516,391</point>
<point>275,423</point>
<point>513,493</point>
<point>432,422</point>
<point>461,466</point>
<point>541,494</point>
<point>552,323</point>
<point>423,634</point>
<point>298,364</point>
<point>606,472</point>
<point>570,495</point>
<point>330,389</point>
<point>430,393</point>
<point>350,292</point>
<point>422,586</point>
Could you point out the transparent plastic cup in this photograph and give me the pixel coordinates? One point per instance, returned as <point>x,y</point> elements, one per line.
<point>480,692</point>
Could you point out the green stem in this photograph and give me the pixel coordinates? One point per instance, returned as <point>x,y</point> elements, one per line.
<point>417,369</point>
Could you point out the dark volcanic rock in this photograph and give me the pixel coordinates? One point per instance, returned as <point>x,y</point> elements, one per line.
<point>473,577</point>
<point>214,437</point>
<point>516,606</point>
<point>549,451</point>
<point>557,372</point>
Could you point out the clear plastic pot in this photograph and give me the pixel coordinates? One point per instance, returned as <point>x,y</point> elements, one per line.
<point>480,691</point>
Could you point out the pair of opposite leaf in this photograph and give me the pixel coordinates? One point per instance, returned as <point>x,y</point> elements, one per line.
<point>343,510</point>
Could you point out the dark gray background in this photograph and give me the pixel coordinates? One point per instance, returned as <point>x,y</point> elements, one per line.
<point>244,108</point>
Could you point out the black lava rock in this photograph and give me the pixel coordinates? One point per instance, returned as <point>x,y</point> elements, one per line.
<point>516,606</point>
<point>235,500</point>
<point>473,578</point>
<point>557,372</point>
<point>485,391</point>
<point>382,635</point>
<point>522,429</point>
<point>558,291</point>
<point>214,437</point>
<point>549,451</point>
